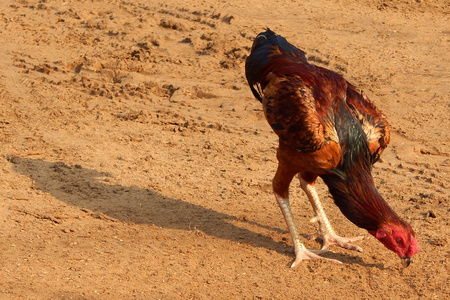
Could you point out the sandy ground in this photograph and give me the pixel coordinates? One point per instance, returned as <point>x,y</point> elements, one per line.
<point>135,162</point>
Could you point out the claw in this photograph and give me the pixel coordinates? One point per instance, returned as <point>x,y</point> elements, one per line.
<point>314,220</point>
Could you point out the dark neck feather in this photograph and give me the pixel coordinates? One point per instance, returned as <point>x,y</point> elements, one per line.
<point>351,183</point>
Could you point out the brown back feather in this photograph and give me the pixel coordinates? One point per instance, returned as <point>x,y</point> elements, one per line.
<point>291,110</point>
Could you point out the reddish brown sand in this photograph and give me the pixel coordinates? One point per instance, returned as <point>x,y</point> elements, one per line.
<point>135,162</point>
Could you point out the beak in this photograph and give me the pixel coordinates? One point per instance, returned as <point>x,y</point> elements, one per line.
<point>406,261</point>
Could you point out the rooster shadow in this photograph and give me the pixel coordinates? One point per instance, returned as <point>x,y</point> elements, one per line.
<point>89,189</point>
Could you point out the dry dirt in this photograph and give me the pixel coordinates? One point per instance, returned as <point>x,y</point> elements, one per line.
<point>135,162</point>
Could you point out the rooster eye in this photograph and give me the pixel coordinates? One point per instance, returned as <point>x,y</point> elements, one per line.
<point>399,240</point>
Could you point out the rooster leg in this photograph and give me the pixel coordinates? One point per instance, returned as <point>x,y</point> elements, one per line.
<point>326,232</point>
<point>281,183</point>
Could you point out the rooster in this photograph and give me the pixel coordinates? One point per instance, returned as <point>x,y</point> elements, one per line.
<point>329,129</point>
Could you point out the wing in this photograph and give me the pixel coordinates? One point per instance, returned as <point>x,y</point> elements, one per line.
<point>290,109</point>
<point>373,122</point>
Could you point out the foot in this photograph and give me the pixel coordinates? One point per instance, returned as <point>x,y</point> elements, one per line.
<point>326,232</point>
<point>330,238</point>
<point>304,254</point>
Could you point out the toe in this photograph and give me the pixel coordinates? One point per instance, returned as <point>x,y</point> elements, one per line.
<point>305,254</point>
<point>341,242</point>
